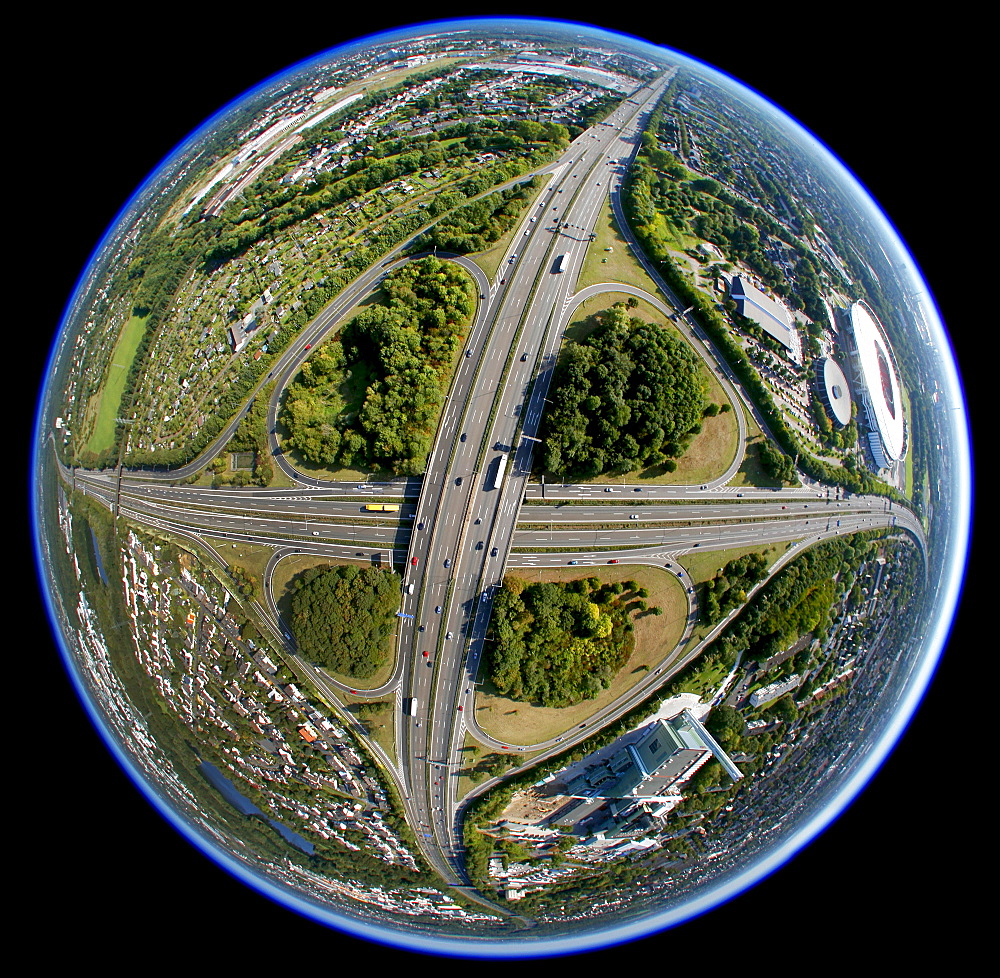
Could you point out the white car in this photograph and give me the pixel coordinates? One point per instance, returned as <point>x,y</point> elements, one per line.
<point>634,516</point>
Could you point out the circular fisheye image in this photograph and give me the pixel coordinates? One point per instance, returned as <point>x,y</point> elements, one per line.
<point>500,488</point>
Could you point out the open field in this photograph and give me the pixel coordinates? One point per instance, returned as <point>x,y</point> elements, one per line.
<point>104,405</point>
<point>616,265</point>
<point>251,557</point>
<point>380,723</point>
<point>519,723</point>
<point>474,755</point>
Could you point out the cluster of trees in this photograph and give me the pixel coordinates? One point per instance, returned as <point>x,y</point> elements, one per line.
<point>343,617</point>
<point>796,601</point>
<point>373,396</point>
<point>628,396</point>
<point>558,644</point>
<point>845,437</point>
<point>244,581</point>
<point>777,464</point>
<point>479,223</point>
<point>727,591</point>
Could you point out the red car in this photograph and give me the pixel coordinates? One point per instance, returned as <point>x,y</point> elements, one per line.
<point>613,561</point>
<point>309,346</point>
<point>460,706</point>
<point>426,653</point>
<point>414,561</point>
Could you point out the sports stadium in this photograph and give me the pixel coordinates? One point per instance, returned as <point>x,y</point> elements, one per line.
<point>878,384</point>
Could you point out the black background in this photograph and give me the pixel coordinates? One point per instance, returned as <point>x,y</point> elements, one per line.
<point>104,104</point>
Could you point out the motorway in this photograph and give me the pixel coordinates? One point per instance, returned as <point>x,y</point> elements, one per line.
<point>457,531</point>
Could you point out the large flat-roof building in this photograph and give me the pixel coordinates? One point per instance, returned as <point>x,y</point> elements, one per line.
<point>652,767</point>
<point>770,315</point>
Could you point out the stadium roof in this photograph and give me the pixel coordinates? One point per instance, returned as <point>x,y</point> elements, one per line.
<point>883,398</point>
<point>838,394</point>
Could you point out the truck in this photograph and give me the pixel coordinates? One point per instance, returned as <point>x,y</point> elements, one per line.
<point>411,706</point>
<point>382,508</point>
<point>499,474</point>
<point>560,263</point>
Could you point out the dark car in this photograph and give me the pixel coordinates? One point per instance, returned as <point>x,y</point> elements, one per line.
<point>479,546</point>
<point>438,609</point>
<point>494,552</point>
<point>458,481</point>
<point>464,436</point>
<point>447,562</point>
<point>524,356</point>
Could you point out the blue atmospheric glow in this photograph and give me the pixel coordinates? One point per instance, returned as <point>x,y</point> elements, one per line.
<point>702,901</point>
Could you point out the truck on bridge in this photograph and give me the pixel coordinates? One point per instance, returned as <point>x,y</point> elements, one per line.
<point>500,472</point>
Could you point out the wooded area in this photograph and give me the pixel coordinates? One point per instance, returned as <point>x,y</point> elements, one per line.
<point>371,396</point>
<point>343,617</point>
<point>558,644</point>
<point>628,396</point>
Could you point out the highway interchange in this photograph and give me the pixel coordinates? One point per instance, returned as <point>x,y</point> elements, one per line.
<point>457,532</point>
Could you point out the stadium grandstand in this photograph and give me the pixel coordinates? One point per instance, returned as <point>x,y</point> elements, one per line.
<point>878,385</point>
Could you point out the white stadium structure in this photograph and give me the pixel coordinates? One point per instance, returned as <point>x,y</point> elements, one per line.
<point>879,386</point>
<point>835,390</point>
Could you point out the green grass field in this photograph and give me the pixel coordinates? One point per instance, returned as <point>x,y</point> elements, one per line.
<point>616,265</point>
<point>104,406</point>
